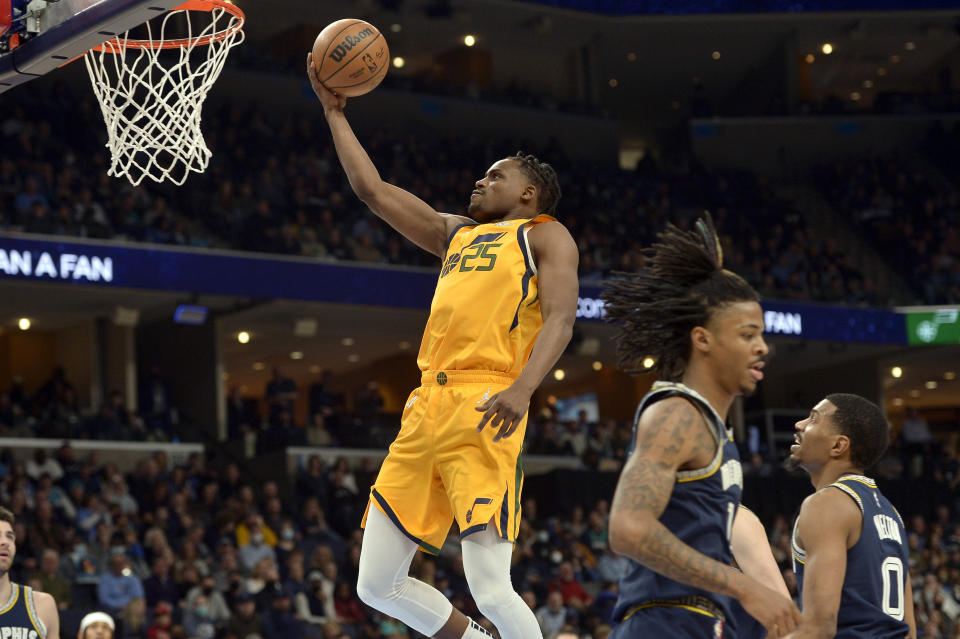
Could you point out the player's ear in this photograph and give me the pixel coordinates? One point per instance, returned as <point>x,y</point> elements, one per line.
<point>701,338</point>
<point>841,445</point>
<point>529,194</point>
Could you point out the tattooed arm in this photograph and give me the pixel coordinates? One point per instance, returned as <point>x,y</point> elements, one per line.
<point>672,435</point>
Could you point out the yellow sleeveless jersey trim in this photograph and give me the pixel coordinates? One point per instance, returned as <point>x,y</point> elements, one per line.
<point>14,596</point>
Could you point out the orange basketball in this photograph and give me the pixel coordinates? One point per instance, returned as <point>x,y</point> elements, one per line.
<point>351,57</point>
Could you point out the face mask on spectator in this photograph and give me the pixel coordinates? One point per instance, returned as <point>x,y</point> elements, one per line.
<point>289,534</point>
<point>202,611</point>
<point>257,538</point>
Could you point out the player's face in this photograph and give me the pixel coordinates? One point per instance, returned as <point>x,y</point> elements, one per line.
<point>500,190</point>
<point>8,546</point>
<point>815,437</point>
<point>737,349</point>
<point>98,630</point>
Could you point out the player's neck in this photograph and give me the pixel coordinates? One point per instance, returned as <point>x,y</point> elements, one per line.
<point>712,391</point>
<point>828,475</point>
<point>521,213</point>
<point>5,587</point>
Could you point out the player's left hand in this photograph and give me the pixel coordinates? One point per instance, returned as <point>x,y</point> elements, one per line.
<point>505,411</point>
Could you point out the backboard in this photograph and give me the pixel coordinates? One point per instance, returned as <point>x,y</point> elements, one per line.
<point>47,35</point>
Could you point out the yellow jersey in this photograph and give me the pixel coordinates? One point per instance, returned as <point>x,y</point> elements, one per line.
<point>485,314</point>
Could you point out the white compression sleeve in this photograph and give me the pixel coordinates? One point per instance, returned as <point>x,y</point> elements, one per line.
<point>486,562</point>
<point>384,582</point>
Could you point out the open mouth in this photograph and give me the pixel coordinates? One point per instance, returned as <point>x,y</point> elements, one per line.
<point>757,371</point>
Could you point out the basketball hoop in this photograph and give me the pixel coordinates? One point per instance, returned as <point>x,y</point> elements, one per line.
<point>151,91</point>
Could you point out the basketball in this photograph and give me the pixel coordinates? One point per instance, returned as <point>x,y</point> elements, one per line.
<point>351,57</point>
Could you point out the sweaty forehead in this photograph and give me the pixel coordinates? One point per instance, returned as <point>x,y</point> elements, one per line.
<point>505,166</point>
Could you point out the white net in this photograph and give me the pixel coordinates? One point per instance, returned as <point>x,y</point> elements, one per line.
<point>151,92</point>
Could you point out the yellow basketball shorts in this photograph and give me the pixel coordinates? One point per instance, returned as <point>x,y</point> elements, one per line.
<point>440,468</point>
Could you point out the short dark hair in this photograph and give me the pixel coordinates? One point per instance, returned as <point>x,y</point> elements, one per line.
<point>682,287</point>
<point>864,423</point>
<point>544,177</point>
<point>7,516</point>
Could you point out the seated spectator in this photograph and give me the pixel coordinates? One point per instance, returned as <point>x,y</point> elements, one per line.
<point>572,590</point>
<point>50,579</point>
<point>133,620</point>
<point>279,620</point>
<point>217,610</point>
<point>162,627</point>
<point>197,620</point>
<point>552,616</point>
<point>160,586</point>
<point>245,620</point>
<point>118,586</point>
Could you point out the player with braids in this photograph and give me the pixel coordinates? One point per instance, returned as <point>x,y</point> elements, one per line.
<point>677,499</point>
<point>501,316</point>
<point>543,175</point>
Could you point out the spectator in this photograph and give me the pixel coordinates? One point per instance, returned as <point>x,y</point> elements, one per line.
<point>312,604</point>
<point>218,612</point>
<point>255,541</point>
<point>162,627</point>
<point>245,620</point>
<point>198,622</point>
<point>133,620</point>
<point>118,586</point>
<point>279,620</point>
<point>43,464</point>
<point>552,616</point>
<point>281,393</point>
<point>50,580</point>
<point>572,590</point>
<point>96,625</point>
<point>160,586</point>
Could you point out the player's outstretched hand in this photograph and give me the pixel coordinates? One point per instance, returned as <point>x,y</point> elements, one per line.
<point>505,411</point>
<point>329,99</point>
<point>778,614</point>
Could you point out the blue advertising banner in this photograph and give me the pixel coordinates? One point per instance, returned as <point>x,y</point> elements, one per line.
<point>211,272</point>
<point>684,7</point>
<point>808,321</point>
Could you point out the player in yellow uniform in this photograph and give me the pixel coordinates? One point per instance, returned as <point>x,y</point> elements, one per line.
<point>501,316</point>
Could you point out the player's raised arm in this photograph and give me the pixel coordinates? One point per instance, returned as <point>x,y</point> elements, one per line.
<point>826,558</point>
<point>672,433</point>
<point>412,217</point>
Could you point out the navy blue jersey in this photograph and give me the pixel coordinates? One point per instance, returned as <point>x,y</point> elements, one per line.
<point>872,600</point>
<point>19,618</point>
<point>700,513</point>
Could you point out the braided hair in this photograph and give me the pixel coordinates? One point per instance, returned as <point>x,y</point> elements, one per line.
<point>682,287</point>
<point>544,177</point>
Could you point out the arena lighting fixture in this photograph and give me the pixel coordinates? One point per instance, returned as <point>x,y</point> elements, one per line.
<point>259,366</point>
<point>898,401</point>
<point>910,46</point>
<point>950,376</point>
<point>189,314</point>
<point>715,55</point>
<point>404,345</point>
<point>648,362</point>
<point>931,385</point>
<point>23,323</point>
<point>897,372</point>
<point>469,40</point>
<point>855,95</point>
<point>809,58</point>
<point>559,374</point>
<point>348,341</point>
<point>398,62</point>
<point>396,27</point>
<point>881,72</point>
<point>243,337</point>
<point>895,58</point>
<point>631,57</point>
<point>353,358</point>
<point>598,366</point>
<point>296,355</point>
<point>914,393</point>
<point>868,84</point>
<point>613,83</point>
<point>827,48</point>
<point>314,369</point>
